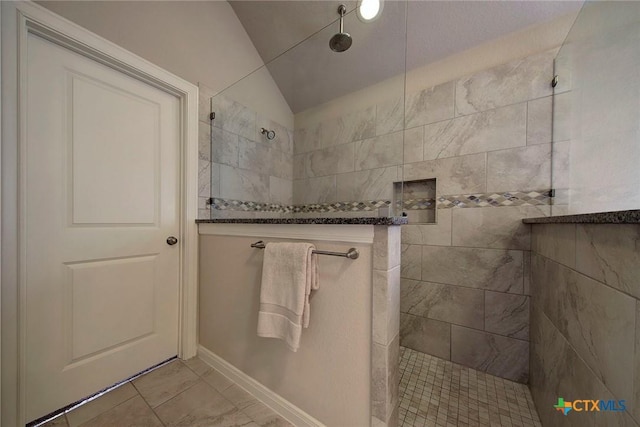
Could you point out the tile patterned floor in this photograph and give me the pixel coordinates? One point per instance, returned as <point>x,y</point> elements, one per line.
<point>180,393</point>
<point>436,392</point>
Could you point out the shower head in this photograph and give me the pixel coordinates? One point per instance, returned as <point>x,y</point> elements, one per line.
<point>341,41</point>
<point>270,134</point>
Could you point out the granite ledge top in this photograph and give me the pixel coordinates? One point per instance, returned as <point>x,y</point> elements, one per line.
<point>616,217</point>
<point>333,221</point>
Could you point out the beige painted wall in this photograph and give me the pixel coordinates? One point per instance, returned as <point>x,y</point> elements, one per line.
<point>200,41</point>
<point>329,376</point>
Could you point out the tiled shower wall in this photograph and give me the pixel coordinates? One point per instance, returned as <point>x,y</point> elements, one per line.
<point>238,166</point>
<point>486,139</point>
<point>464,294</point>
<point>585,333</point>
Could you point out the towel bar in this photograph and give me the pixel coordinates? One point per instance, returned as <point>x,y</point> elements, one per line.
<point>352,253</point>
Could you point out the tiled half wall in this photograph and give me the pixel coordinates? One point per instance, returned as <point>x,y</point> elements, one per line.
<point>486,138</point>
<point>585,321</point>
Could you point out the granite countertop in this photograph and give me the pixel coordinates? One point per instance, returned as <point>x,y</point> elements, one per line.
<point>616,217</point>
<point>396,220</point>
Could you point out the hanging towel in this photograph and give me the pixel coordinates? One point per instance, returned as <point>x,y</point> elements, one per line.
<point>289,275</point>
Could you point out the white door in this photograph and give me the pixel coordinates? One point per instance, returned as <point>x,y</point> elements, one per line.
<point>102,183</point>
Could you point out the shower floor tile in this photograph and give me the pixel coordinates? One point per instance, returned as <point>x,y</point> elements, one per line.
<point>435,392</point>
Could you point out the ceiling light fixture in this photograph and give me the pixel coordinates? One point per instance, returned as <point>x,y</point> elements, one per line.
<point>368,10</point>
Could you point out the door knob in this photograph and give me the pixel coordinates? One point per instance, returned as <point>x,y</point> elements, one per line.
<point>171,240</point>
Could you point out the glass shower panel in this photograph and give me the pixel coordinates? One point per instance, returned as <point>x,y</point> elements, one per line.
<point>596,112</point>
<point>315,133</point>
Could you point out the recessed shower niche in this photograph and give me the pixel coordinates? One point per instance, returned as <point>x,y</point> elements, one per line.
<point>416,200</point>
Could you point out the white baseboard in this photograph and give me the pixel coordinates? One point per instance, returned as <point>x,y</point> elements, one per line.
<point>278,404</point>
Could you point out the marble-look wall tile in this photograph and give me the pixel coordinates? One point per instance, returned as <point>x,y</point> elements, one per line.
<point>314,190</point>
<point>204,178</point>
<point>452,304</point>
<point>430,105</point>
<point>413,146</point>
<point>455,175</point>
<point>280,190</point>
<point>234,117</point>
<point>389,116</point>
<point>254,156</point>
<point>215,180</point>
<point>495,354</point>
<point>576,304</point>
<point>492,269</point>
<point>551,358</point>
<point>384,378</point>
<point>539,121</point>
<point>204,141</point>
<point>299,166</point>
<point>224,147</point>
<point>411,261</point>
<point>330,161</point>
<point>519,169</point>
<point>372,184</point>
<point>487,131</point>
<point>507,314</point>
<point>495,227</point>
<point>379,152</point>
<point>354,126</point>
<point>426,335</point>
<point>609,253</point>
<point>517,81</point>
<point>393,381</point>
<point>306,139</point>
<point>242,184</point>
<point>438,234</point>
<point>527,272</point>
<point>555,241</point>
<point>264,159</point>
<point>281,164</point>
<point>386,300</point>
<point>561,168</point>
<point>562,117</point>
<point>386,247</point>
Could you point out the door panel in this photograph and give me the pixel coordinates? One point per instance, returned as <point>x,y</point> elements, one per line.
<point>109,156</point>
<point>115,297</point>
<point>102,176</point>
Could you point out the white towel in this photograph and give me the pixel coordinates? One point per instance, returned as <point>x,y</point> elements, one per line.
<point>289,274</point>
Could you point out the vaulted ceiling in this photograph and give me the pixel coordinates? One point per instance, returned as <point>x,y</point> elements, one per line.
<point>407,34</point>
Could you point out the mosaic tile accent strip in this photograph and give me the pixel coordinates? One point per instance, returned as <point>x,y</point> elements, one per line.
<point>216,203</point>
<point>248,206</point>
<point>436,392</point>
<point>358,206</point>
<point>483,200</point>
<point>479,200</point>
<point>418,204</point>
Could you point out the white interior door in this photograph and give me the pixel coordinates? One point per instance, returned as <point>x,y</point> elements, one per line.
<point>102,197</point>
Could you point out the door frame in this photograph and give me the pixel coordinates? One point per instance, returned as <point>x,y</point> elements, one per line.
<point>18,20</point>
